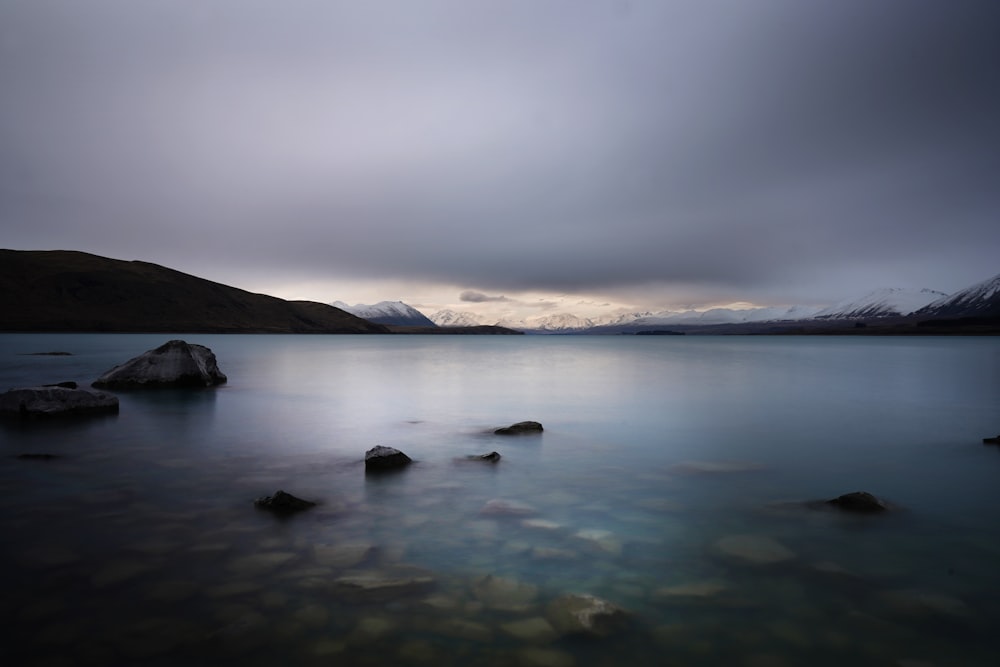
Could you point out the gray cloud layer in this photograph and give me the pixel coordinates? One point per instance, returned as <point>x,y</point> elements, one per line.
<point>766,149</point>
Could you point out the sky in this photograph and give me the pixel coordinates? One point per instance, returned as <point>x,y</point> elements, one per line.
<point>511,156</point>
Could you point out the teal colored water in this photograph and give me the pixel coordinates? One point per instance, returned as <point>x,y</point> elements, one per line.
<point>670,480</point>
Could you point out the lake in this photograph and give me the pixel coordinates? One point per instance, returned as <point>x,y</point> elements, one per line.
<point>672,481</point>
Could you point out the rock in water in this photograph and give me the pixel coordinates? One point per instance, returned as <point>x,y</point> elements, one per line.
<point>492,457</point>
<point>753,549</point>
<point>520,428</point>
<point>992,441</point>
<point>859,501</point>
<point>173,364</point>
<point>586,615</point>
<point>381,457</point>
<point>282,503</point>
<point>69,384</point>
<point>56,401</point>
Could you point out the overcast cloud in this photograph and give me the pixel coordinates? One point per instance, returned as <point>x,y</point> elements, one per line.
<point>767,151</point>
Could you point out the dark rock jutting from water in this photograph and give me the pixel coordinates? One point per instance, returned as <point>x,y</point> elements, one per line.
<point>492,457</point>
<point>380,458</point>
<point>56,402</point>
<point>176,363</point>
<point>282,503</point>
<point>861,502</point>
<point>992,441</point>
<point>520,428</point>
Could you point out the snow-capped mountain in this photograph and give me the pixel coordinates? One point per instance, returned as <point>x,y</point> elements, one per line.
<point>981,299</point>
<point>450,318</point>
<point>387,312</point>
<point>622,318</point>
<point>556,322</point>
<point>726,316</point>
<point>885,302</point>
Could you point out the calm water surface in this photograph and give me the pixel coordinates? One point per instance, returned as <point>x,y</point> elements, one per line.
<point>670,481</point>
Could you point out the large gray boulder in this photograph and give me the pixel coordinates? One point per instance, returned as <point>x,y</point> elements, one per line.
<point>173,364</point>
<point>54,401</point>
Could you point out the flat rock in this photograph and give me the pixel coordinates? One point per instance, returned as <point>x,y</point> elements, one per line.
<point>753,549</point>
<point>381,457</point>
<point>520,428</point>
<point>992,441</point>
<point>176,363</point>
<point>56,402</point>
<point>575,614</point>
<point>282,503</point>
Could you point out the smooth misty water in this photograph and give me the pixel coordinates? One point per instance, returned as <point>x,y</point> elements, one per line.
<point>141,546</point>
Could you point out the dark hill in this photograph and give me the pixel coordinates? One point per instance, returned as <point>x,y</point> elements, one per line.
<point>62,290</point>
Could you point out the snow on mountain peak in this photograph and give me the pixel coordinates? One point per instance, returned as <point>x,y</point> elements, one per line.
<point>884,302</point>
<point>979,299</point>
<point>387,312</point>
<point>450,318</point>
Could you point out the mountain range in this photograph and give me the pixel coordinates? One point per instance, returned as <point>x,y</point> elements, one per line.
<point>62,290</point>
<point>981,300</point>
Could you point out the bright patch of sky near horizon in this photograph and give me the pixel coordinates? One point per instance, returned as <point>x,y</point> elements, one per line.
<point>563,154</point>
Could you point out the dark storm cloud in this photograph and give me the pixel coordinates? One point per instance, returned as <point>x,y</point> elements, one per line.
<point>760,148</point>
<point>478,297</point>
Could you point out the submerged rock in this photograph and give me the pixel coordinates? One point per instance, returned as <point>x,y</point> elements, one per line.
<point>38,457</point>
<point>504,594</point>
<point>501,507</point>
<point>753,549</point>
<point>915,602</point>
<point>693,589</point>
<point>585,614</point>
<point>381,457</point>
<point>173,364</point>
<point>859,501</point>
<point>282,503</point>
<point>520,428</point>
<point>492,457</point>
<point>56,401</point>
<point>534,630</point>
<point>383,585</point>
